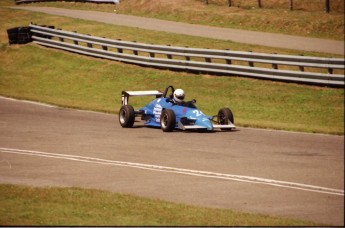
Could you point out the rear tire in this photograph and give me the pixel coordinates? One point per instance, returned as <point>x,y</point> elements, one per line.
<point>168,120</point>
<point>224,116</point>
<point>126,116</point>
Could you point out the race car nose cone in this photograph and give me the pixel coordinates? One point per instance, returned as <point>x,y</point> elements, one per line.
<point>205,122</point>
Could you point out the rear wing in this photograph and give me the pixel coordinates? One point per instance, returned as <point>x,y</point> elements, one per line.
<point>126,94</point>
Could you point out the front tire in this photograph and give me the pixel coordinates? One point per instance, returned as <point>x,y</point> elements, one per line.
<point>224,116</point>
<point>168,120</point>
<point>126,116</point>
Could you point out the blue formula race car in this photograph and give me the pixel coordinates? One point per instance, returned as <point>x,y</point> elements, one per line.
<point>165,113</point>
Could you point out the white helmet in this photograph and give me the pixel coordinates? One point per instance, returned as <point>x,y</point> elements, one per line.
<point>178,95</point>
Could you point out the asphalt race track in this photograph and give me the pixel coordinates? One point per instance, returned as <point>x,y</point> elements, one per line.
<point>271,172</point>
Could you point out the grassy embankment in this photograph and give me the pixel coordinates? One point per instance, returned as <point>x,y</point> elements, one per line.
<point>75,206</point>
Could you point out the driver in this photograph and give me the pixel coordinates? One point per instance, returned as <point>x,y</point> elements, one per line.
<point>178,96</point>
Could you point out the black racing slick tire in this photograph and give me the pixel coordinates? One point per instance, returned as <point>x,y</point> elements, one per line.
<point>168,120</point>
<point>126,116</point>
<point>224,116</point>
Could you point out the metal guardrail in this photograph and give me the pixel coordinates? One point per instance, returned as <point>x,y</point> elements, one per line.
<point>93,1</point>
<point>222,62</point>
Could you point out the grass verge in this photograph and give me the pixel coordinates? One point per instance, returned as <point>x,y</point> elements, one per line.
<point>21,205</point>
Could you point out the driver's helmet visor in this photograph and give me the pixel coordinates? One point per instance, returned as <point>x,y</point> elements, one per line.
<point>180,97</point>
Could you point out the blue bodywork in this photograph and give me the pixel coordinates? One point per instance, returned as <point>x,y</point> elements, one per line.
<point>187,114</point>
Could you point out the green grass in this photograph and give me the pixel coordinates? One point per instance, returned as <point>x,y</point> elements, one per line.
<point>33,206</point>
<point>308,19</point>
<point>58,77</point>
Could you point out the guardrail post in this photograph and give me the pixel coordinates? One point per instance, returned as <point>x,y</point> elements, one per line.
<point>119,50</point>
<point>152,54</point>
<point>330,70</point>
<point>75,41</point>
<point>251,64</point>
<point>207,59</point>
<point>135,52</point>
<point>169,56</point>
<point>89,44</point>
<point>274,65</point>
<point>228,61</point>
<point>105,48</point>
<point>187,57</point>
<point>60,38</point>
<point>301,68</point>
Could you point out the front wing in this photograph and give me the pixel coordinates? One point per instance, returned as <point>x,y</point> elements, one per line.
<point>199,127</point>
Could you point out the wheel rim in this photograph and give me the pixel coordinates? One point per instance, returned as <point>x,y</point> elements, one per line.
<point>164,120</point>
<point>222,119</point>
<point>122,116</point>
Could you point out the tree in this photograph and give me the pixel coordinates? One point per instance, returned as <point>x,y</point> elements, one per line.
<point>259,3</point>
<point>291,4</point>
<point>327,6</point>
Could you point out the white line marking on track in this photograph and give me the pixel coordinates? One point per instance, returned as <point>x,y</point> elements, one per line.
<point>29,102</point>
<point>248,179</point>
<point>54,106</point>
